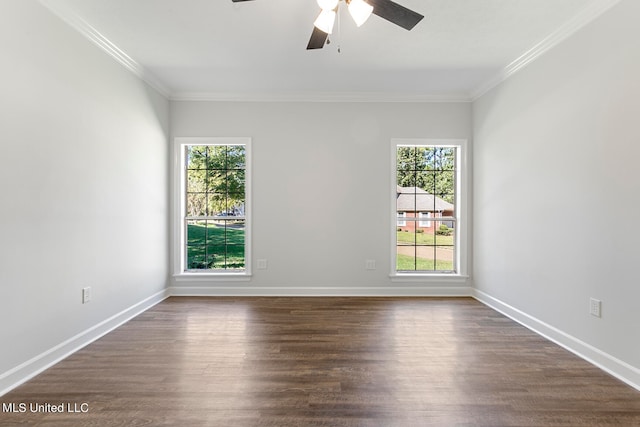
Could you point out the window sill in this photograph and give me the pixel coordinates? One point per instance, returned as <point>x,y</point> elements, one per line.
<point>212,277</point>
<point>426,277</point>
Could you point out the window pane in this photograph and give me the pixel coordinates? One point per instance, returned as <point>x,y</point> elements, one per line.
<point>425,180</point>
<point>217,158</point>
<point>216,181</point>
<point>406,237</point>
<point>235,257</point>
<point>196,244</point>
<point>235,204</point>
<point>445,158</point>
<point>425,258</point>
<point>425,203</point>
<point>216,244</point>
<point>196,204</point>
<point>445,256</point>
<point>216,204</point>
<point>236,157</point>
<point>406,179</point>
<point>235,244</point>
<point>405,159</point>
<point>405,201</point>
<point>405,259</point>
<point>445,234</point>
<point>196,156</point>
<point>444,183</point>
<point>425,158</point>
<point>415,258</point>
<point>235,181</point>
<point>196,180</point>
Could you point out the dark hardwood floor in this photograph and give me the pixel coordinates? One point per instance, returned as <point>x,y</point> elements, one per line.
<point>324,362</point>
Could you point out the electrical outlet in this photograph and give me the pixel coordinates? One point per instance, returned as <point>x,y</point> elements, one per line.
<point>86,294</point>
<point>262,264</point>
<point>595,307</point>
<point>370,264</point>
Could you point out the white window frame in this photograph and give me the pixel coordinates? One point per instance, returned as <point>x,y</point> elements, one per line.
<point>179,200</point>
<point>401,219</point>
<point>462,215</point>
<point>426,222</point>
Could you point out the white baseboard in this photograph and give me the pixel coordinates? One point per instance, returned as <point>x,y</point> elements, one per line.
<point>323,291</point>
<point>29,369</point>
<point>619,369</point>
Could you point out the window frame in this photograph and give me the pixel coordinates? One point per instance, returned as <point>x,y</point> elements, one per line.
<point>424,219</point>
<point>401,222</point>
<point>462,216</point>
<point>179,200</point>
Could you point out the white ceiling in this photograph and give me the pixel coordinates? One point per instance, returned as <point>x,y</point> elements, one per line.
<point>217,49</point>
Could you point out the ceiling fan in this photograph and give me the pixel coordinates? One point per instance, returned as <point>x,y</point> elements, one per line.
<point>360,11</point>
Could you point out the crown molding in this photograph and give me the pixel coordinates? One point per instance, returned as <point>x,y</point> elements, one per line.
<point>83,27</point>
<point>75,21</point>
<point>588,15</point>
<point>320,97</point>
<point>570,27</point>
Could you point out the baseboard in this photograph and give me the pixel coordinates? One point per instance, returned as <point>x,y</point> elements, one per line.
<point>615,367</point>
<point>323,291</point>
<point>29,369</point>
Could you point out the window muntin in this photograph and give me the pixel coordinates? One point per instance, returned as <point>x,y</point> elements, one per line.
<point>214,209</point>
<point>426,180</point>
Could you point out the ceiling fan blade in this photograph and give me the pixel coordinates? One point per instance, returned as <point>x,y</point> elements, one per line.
<point>318,39</point>
<point>236,1</point>
<point>393,12</point>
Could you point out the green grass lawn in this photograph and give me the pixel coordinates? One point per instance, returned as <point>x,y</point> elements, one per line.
<point>409,263</point>
<point>219,247</point>
<point>424,239</point>
<point>214,246</point>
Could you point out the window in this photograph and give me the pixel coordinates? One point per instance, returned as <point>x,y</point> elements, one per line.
<point>214,205</point>
<point>401,221</point>
<point>425,222</point>
<point>426,185</point>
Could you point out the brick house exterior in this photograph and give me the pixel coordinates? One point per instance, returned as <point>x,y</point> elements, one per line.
<point>414,202</point>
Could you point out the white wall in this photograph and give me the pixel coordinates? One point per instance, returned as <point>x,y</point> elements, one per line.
<point>83,179</point>
<point>556,195</point>
<point>321,185</point>
<point>83,175</point>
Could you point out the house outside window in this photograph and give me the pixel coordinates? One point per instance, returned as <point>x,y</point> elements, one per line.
<point>401,219</point>
<point>213,206</point>
<point>424,220</point>
<point>426,185</point>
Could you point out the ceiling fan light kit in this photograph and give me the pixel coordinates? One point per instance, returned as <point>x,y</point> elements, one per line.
<point>324,22</point>
<point>360,10</point>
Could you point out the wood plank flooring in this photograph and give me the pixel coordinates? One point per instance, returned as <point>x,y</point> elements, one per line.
<point>324,362</point>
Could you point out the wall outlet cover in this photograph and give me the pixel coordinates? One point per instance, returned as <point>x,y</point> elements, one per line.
<point>595,307</point>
